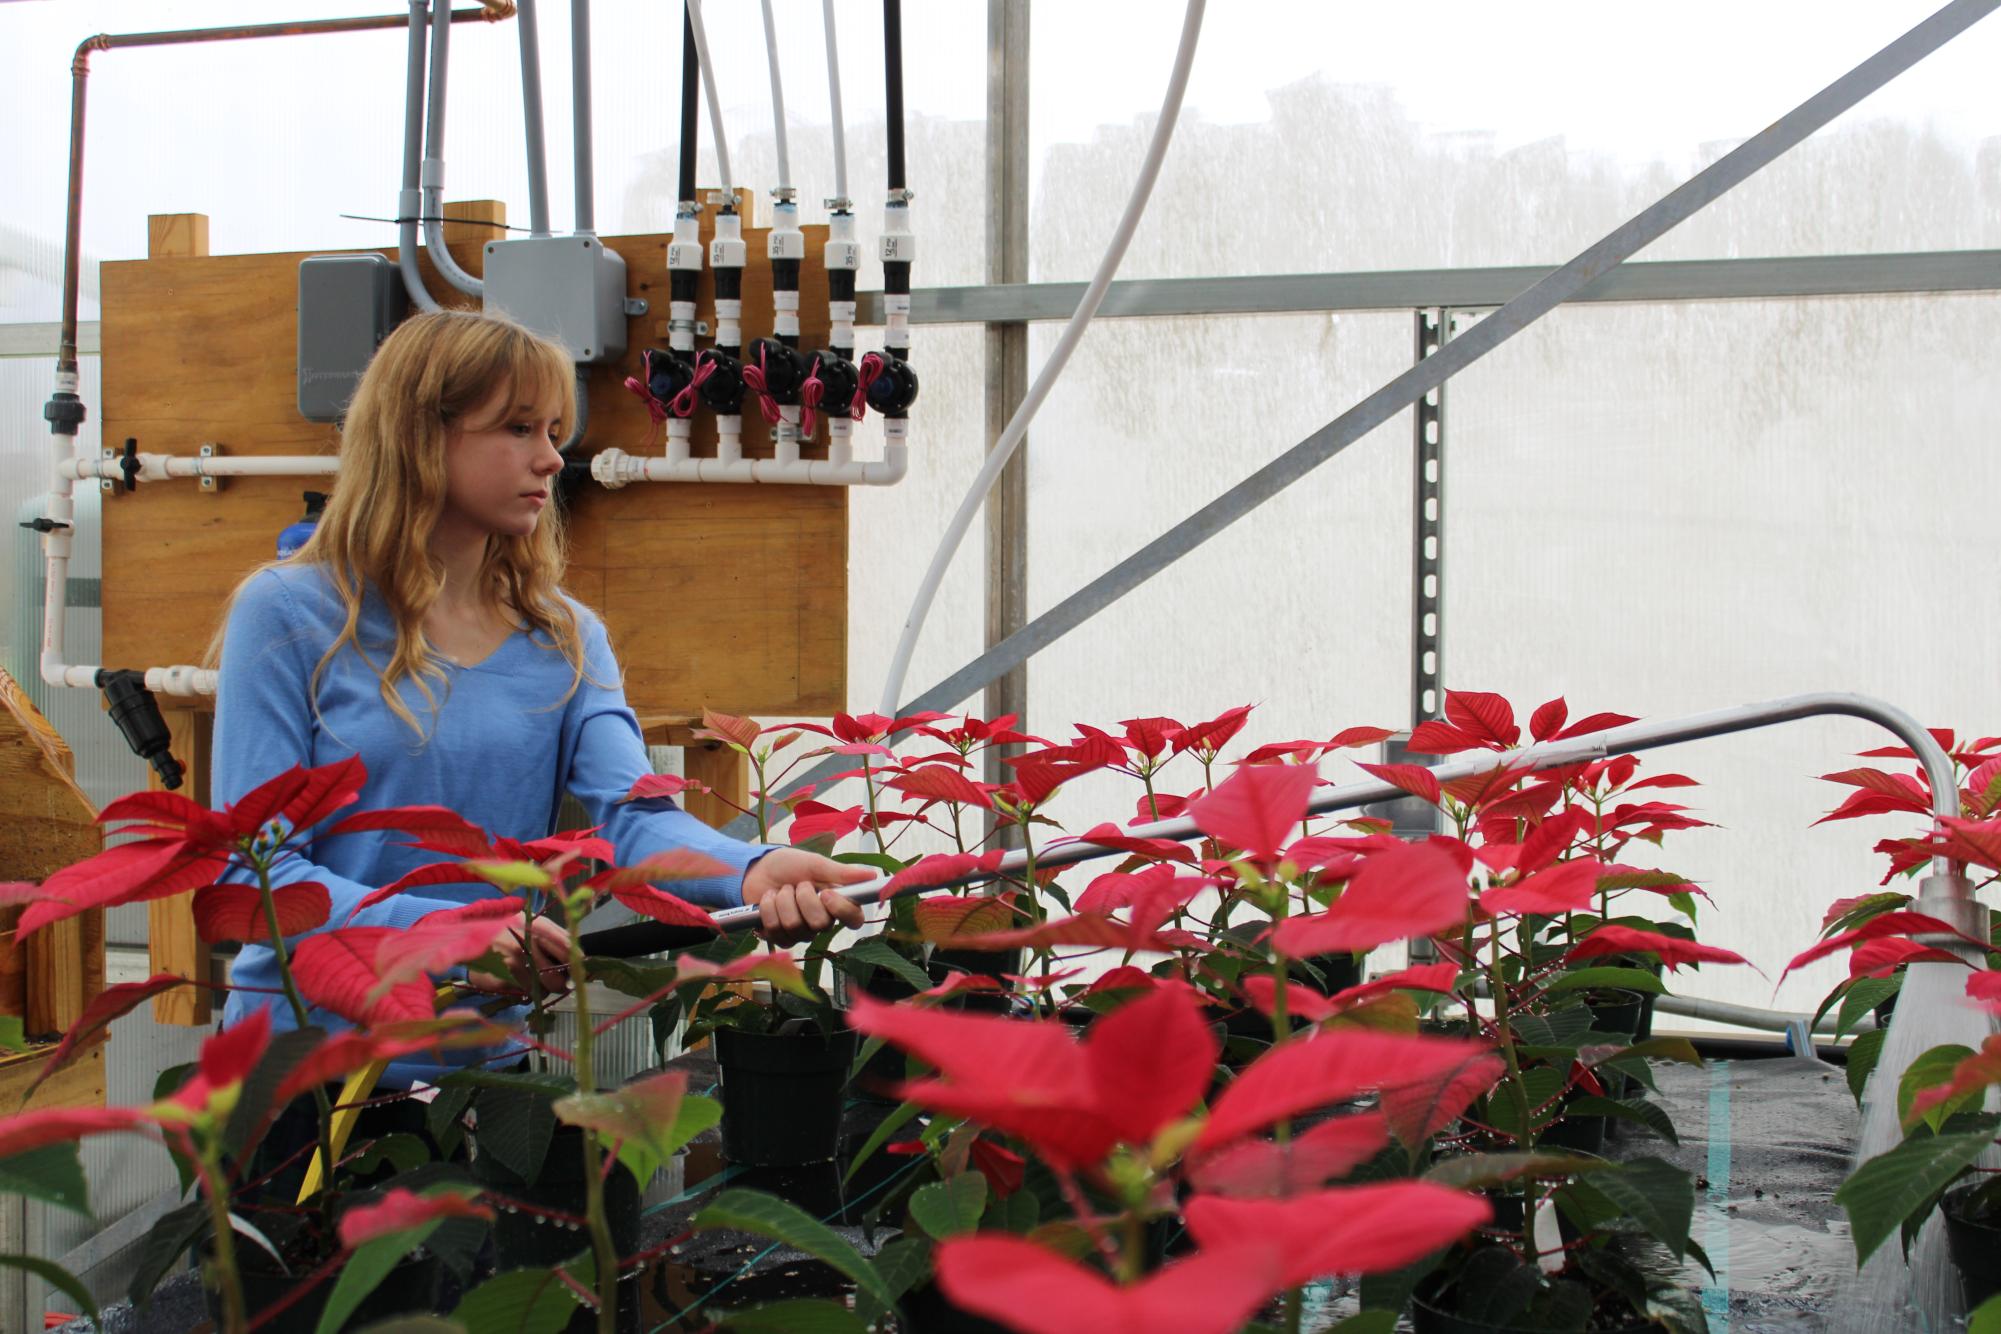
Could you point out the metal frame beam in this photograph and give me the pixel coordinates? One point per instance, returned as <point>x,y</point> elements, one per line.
<point>1920,272</point>
<point>1601,258</point>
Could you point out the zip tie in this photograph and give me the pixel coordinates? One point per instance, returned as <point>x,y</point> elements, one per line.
<point>654,407</point>
<point>810,394</point>
<point>684,402</point>
<point>866,374</point>
<point>753,380</point>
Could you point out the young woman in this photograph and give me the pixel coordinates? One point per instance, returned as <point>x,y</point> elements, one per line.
<point>424,627</point>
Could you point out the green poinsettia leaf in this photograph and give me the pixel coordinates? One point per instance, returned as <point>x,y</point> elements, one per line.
<point>1883,1192</point>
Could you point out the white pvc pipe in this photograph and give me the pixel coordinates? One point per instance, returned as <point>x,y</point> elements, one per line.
<point>614,468</point>
<point>165,467</point>
<point>715,101</point>
<point>834,97</point>
<point>777,98</point>
<point>1017,427</point>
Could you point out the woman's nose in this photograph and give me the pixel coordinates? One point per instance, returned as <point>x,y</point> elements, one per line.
<point>548,460</point>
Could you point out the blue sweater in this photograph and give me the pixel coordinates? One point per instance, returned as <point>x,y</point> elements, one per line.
<point>503,747</point>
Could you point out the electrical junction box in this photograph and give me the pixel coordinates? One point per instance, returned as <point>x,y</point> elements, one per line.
<point>569,289</point>
<point>347,306</point>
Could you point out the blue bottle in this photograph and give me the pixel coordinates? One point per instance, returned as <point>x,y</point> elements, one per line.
<point>295,535</point>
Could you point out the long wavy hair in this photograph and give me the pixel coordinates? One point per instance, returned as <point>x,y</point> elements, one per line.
<point>428,379</point>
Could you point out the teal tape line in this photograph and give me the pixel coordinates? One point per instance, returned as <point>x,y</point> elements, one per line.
<point>1716,1234</point>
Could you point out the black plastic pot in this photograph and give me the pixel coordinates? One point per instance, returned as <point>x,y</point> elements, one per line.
<point>926,1310</point>
<point>1337,972</point>
<point>1614,1011</point>
<point>411,1288</point>
<point>889,1066</point>
<point>526,1240</point>
<point>986,963</point>
<point>1625,1013</point>
<point>1585,1133</point>
<point>1426,1318</point>
<point>1974,1244</point>
<point>782,1095</point>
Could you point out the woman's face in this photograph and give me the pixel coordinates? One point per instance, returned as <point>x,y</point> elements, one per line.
<point>500,464</point>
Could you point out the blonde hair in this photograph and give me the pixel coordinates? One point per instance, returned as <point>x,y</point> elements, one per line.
<point>424,381</point>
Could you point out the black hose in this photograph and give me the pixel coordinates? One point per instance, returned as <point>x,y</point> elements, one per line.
<point>691,100</point>
<point>892,69</point>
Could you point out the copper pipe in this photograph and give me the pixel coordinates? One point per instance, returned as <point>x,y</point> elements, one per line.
<point>489,11</point>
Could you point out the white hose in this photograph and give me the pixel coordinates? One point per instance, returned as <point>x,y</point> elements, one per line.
<point>777,98</point>
<point>715,101</point>
<point>1017,427</point>
<point>834,97</point>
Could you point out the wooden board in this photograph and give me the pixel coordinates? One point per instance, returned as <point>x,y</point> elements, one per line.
<point>78,1084</point>
<point>47,823</point>
<point>727,597</point>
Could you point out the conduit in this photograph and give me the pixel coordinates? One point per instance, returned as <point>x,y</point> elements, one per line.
<point>433,180</point>
<point>531,119</point>
<point>410,197</point>
<point>1017,427</point>
<point>580,102</point>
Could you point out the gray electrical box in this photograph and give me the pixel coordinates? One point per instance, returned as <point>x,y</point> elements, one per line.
<point>569,289</point>
<point>347,306</point>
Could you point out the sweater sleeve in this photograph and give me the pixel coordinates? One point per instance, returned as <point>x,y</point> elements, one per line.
<point>608,755</point>
<point>264,724</point>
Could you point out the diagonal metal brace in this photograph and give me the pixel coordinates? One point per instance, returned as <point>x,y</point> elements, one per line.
<point>1646,227</point>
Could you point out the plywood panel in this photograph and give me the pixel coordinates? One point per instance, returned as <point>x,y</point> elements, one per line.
<point>733,598</point>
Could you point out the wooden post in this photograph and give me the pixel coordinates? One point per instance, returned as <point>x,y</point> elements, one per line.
<point>723,771</point>
<point>171,943</point>
<point>176,235</point>
<point>479,220</point>
<point>46,823</point>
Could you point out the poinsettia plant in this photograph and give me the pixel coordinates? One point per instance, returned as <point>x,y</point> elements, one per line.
<point>1881,929</point>
<point>382,982</point>
<point>1938,1097</point>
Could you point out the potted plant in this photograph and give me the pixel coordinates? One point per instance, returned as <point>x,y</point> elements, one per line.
<point>336,1255</point>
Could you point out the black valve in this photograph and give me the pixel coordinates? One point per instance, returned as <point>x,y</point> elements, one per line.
<point>137,714</point>
<point>785,369</point>
<point>894,387</point>
<point>667,373</point>
<point>722,391</point>
<point>63,412</point>
<point>128,463</point>
<point>44,525</point>
<point>838,379</point>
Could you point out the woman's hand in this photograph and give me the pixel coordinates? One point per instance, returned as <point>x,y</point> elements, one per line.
<point>792,894</point>
<point>547,951</point>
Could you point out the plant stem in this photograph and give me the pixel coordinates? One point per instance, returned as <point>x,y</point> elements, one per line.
<point>301,1019</point>
<point>868,794</point>
<point>1517,1091</point>
<point>225,1241</point>
<point>763,798</point>
<point>601,1248</point>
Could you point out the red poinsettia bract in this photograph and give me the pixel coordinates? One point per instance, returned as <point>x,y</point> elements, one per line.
<point>183,845</point>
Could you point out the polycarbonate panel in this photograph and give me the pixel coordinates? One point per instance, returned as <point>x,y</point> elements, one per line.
<point>1671,509</point>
